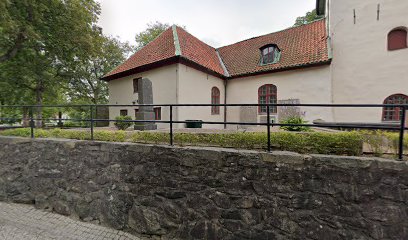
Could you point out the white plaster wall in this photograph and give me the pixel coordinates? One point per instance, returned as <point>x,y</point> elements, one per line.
<point>195,87</point>
<point>164,82</point>
<point>363,70</point>
<point>310,85</point>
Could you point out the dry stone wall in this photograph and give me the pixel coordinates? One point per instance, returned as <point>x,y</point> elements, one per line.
<point>196,193</point>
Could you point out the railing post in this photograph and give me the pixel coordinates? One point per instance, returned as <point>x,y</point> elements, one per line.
<point>401,137</point>
<point>30,113</point>
<point>268,119</point>
<point>171,125</point>
<point>92,123</point>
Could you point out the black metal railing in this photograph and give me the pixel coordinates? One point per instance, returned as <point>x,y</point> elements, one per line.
<point>400,126</point>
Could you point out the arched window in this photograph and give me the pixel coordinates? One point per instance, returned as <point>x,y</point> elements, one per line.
<point>397,39</point>
<point>394,113</point>
<point>215,99</point>
<point>267,94</point>
<point>269,54</point>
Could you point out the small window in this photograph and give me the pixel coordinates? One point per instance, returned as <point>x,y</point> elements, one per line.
<point>394,113</point>
<point>267,94</point>
<point>215,99</point>
<point>135,85</point>
<point>157,113</point>
<point>123,112</point>
<point>136,111</point>
<point>397,39</point>
<point>270,54</point>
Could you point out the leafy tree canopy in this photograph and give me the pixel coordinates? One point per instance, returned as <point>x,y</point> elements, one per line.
<point>85,85</point>
<point>308,18</point>
<point>152,31</point>
<point>48,48</point>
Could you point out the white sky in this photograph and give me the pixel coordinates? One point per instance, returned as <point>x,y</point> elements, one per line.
<point>216,22</point>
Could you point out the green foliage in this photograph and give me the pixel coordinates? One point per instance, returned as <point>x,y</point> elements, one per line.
<point>110,136</point>
<point>19,132</point>
<point>119,124</point>
<point>107,136</point>
<point>72,124</point>
<point>295,120</point>
<point>52,52</point>
<point>25,132</point>
<point>344,143</point>
<point>152,31</point>
<point>78,113</point>
<point>377,141</point>
<point>150,137</point>
<point>381,142</point>
<point>85,86</point>
<point>308,18</point>
<point>13,118</point>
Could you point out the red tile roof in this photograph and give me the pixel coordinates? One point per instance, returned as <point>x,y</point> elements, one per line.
<point>300,46</point>
<point>160,49</point>
<point>303,45</point>
<point>197,51</point>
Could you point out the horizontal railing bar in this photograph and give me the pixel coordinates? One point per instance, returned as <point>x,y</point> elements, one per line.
<point>348,126</point>
<point>207,105</point>
<point>60,107</point>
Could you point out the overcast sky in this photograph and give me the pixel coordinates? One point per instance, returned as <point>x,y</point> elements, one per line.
<point>216,22</point>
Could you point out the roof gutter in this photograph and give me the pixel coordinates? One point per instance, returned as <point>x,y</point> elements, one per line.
<point>295,67</point>
<point>165,62</point>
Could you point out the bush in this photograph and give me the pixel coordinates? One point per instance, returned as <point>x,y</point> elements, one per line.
<point>110,136</point>
<point>72,124</point>
<point>295,120</point>
<point>342,143</point>
<point>25,132</point>
<point>123,125</point>
<point>150,137</point>
<point>19,132</point>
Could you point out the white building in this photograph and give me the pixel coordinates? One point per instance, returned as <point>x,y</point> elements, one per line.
<point>357,54</point>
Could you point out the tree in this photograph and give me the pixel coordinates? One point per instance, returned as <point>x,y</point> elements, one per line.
<point>309,17</point>
<point>152,31</point>
<point>40,40</point>
<point>85,85</point>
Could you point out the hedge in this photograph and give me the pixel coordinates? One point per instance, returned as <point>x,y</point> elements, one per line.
<point>342,143</point>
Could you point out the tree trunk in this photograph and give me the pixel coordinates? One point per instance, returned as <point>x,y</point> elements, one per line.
<point>39,101</point>
<point>26,120</point>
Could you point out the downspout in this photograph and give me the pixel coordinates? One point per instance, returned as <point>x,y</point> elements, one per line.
<point>225,102</point>
<point>330,55</point>
<point>224,68</point>
<point>177,53</point>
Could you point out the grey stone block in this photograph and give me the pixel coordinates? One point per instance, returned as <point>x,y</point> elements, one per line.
<point>145,112</point>
<point>248,114</point>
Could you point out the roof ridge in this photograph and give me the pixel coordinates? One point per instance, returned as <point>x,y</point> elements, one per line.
<point>286,29</point>
<point>176,41</point>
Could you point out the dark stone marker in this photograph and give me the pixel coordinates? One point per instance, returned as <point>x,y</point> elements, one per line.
<point>145,112</point>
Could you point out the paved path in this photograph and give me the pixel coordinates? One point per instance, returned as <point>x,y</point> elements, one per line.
<point>24,222</point>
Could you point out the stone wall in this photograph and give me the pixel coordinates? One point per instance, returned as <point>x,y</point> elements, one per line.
<point>196,193</point>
